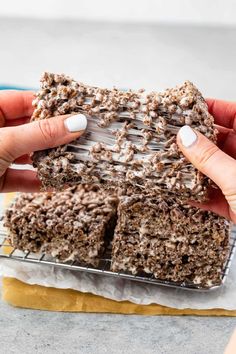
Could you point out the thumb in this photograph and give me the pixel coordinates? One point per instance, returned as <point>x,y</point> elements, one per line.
<point>210,160</point>
<point>39,135</point>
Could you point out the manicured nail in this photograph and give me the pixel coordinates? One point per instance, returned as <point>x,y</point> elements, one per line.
<point>76,123</point>
<point>187,136</point>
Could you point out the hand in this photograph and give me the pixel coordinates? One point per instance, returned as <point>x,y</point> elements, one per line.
<point>230,349</point>
<point>19,138</point>
<point>216,162</point>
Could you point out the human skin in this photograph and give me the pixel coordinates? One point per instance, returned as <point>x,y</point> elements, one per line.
<point>231,347</point>
<point>19,138</point>
<point>216,161</point>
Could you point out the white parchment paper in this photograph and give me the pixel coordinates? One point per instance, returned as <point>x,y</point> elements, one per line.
<point>122,289</point>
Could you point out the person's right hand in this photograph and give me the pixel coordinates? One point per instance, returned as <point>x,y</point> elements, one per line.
<point>216,162</point>
<point>19,138</point>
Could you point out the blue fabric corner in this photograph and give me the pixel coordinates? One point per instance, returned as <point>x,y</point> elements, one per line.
<point>9,87</point>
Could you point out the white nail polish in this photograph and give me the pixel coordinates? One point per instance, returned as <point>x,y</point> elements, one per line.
<point>187,136</point>
<point>76,123</point>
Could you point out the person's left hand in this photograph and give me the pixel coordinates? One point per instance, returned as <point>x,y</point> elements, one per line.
<point>217,161</point>
<point>19,138</point>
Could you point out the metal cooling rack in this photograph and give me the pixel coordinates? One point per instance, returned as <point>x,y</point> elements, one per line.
<point>104,266</point>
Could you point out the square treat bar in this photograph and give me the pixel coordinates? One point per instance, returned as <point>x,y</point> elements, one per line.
<point>130,139</point>
<point>170,240</point>
<point>71,225</point>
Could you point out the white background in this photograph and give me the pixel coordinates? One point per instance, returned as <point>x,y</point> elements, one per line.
<point>153,44</point>
<point>208,12</point>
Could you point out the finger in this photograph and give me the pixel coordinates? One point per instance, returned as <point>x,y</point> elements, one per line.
<point>23,160</point>
<point>209,159</point>
<point>226,141</point>
<point>20,181</point>
<point>15,122</point>
<point>224,112</point>
<point>15,104</point>
<point>229,145</point>
<point>217,204</point>
<point>40,135</point>
<point>222,133</point>
<point>230,349</point>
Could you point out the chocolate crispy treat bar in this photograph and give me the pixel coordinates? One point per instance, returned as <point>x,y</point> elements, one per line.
<point>170,240</point>
<point>130,140</point>
<point>71,225</point>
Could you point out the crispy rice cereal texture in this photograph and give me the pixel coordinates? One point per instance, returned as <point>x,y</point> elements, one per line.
<point>130,140</point>
<point>164,238</point>
<point>130,146</point>
<point>71,225</point>
<point>171,241</point>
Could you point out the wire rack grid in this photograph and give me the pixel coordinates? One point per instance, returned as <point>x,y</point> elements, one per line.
<point>6,252</point>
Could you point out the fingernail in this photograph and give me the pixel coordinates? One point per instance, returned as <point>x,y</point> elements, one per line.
<point>76,123</point>
<point>187,135</point>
